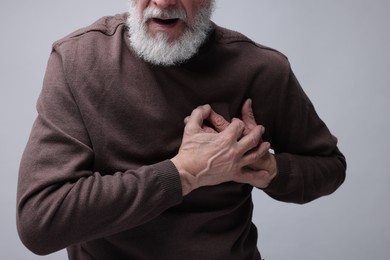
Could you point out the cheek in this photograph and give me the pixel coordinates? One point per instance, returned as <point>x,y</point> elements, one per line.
<point>141,5</point>
<point>192,7</point>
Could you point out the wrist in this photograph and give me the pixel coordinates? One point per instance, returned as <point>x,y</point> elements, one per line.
<point>273,168</point>
<point>187,180</point>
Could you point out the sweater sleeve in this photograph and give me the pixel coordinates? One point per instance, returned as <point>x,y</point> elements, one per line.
<point>309,162</point>
<point>61,200</point>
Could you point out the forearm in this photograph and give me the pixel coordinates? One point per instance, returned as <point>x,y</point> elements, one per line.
<point>58,213</point>
<point>301,179</point>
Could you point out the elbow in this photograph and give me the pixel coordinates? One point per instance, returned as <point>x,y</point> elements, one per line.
<point>33,239</point>
<point>35,234</point>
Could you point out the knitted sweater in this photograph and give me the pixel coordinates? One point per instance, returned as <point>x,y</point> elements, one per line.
<point>96,178</point>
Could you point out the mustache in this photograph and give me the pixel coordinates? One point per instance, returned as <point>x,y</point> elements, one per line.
<point>153,12</point>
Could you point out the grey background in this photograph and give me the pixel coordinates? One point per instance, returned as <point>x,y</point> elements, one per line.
<point>339,52</point>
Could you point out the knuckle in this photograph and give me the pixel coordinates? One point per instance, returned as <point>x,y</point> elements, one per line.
<point>239,125</point>
<point>251,115</point>
<point>257,156</point>
<point>219,121</point>
<point>256,137</point>
<point>255,140</point>
<point>208,130</point>
<point>190,129</point>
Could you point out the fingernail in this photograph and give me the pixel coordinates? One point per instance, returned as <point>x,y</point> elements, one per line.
<point>262,129</point>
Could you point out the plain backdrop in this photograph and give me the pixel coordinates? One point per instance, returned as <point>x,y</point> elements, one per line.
<point>339,50</point>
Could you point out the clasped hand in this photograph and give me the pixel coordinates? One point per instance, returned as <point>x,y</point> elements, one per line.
<point>222,151</point>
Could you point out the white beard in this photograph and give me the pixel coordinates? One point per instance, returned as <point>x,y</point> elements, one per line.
<point>159,50</point>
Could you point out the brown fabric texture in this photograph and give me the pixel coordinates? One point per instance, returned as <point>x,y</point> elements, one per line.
<point>96,176</point>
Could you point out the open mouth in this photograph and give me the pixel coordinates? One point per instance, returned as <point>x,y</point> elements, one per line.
<point>165,21</point>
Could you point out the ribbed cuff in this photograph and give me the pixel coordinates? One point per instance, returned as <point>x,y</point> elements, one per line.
<point>170,181</point>
<point>279,183</point>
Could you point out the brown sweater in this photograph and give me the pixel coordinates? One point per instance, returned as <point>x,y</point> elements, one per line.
<point>96,176</point>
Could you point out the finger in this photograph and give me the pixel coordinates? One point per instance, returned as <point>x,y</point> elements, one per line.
<point>255,155</point>
<point>251,140</point>
<point>217,121</point>
<point>235,129</point>
<point>186,120</point>
<point>259,178</point>
<point>205,128</point>
<point>209,130</point>
<point>197,117</point>
<point>248,174</point>
<point>247,116</point>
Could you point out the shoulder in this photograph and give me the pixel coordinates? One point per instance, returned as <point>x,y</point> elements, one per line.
<point>105,26</point>
<point>90,52</point>
<point>249,49</point>
<point>97,46</point>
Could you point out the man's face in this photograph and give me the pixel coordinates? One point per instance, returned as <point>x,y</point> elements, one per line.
<point>168,32</point>
<point>175,25</point>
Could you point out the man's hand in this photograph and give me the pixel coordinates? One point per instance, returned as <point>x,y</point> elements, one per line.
<point>207,157</point>
<point>260,173</point>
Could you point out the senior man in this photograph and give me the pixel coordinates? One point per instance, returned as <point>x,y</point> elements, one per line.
<point>153,128</point>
